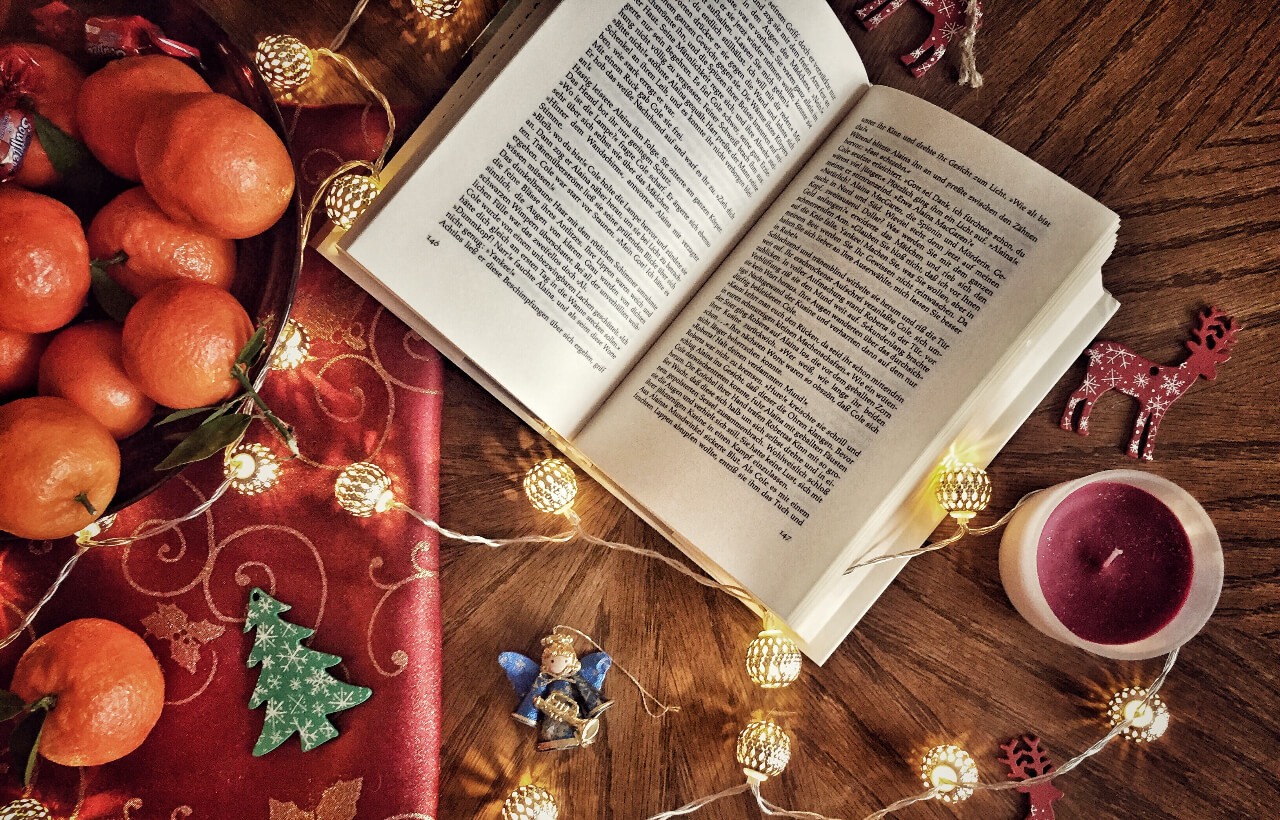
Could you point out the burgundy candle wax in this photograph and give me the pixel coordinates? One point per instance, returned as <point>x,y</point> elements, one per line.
<point>1122,563</point>
<point>1114,563</point>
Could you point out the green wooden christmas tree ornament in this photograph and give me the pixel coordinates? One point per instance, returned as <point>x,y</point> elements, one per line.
<point>294,684</point>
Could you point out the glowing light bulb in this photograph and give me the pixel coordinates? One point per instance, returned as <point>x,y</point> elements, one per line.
<point>363,489</point>
<point>436,9</point>
<point>89,533</point>
<point>1150,720</point>
<point>284,62</point>
<point>551,486</point>
<point>530,803</point>
<point>25,808</point>
<point>763,750</point>
<point>251,468</point>
<point>963,489</point>
<point>951,770</point>
<point>293,347</point>
<point>348,196</point>
<point>773,660</point>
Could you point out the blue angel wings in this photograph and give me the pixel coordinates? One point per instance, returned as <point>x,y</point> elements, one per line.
<point>521,671</point>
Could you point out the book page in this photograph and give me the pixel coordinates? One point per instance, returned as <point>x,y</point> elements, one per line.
<point>608,168</point>
<point>827,366</point>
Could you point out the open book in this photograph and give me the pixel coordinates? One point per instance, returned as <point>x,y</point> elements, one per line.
<point>757,297</point>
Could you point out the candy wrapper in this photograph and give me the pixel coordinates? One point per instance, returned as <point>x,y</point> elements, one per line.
<point>19,74</point>
<point>15,136</point>
<point>101,36</point>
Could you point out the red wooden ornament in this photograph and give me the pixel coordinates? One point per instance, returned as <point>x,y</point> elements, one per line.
<point>1026,759</point>
<point>1156,387</point>
<point>948,22</point>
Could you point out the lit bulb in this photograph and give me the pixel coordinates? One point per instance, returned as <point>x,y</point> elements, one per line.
<point>89,533</point>
<point>251,468</point>
<point>436,9</point>
<point>293,347</point>
<point>963,490</point>
<point>348,196</point>
<point>951,770</point>
<point>763,750</point>
<point>1150,720</point>
<point>25,808</point>
<point>773,660</point>
<point>551,486</point>
<point>284,62</point>
<point>530,803</point>
<point>363,489</point>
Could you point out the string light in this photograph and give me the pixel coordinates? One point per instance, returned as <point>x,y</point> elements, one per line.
<point>25,808</point>
<point>363,489</point>
<point>951,771</point>
<point>89,533</point>
<point>551,486</point>
<point>348,196</point>
<point>773,660</point>
<point>251,469</point>
<point>1148,721</point>
<point>436,9</point>
<point>763,750</point>
<point>963,490</point>
<point>293,348</point>
<point>285,62</point>
<point>530,803</point>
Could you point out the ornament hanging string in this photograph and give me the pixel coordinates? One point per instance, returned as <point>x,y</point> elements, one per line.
<point>645,696</point>
<point>968,73</point>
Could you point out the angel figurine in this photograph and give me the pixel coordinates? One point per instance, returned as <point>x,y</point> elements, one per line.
<point>562,695</point>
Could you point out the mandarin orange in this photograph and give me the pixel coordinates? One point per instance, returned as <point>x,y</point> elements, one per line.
<point>84,365</point>
<point>20,360</point>
<point>51,88</point>
<point>108,687</point>
<point>180,341</point>
<point>210,160</point>
<point>157,247</point>
<point>45,261</point>
<point>60,471</point>
<point>116,97</point>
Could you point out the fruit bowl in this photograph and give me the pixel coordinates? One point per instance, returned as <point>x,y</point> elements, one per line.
<point>267,264</point>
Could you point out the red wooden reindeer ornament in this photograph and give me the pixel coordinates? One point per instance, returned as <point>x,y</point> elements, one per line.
<point>1156,387</point>
<point>948,23</point>
<point>1026,759</point>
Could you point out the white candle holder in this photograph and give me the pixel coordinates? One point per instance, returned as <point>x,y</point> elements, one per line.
<point>1019,551</point>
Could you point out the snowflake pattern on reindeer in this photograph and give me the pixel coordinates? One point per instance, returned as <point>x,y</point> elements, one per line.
<point>1112,366</point>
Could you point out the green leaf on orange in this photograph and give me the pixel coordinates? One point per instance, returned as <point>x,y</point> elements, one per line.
<point>253,347</point>
<point>207,439</point>
<point>10,705</point>
<point>66,153</point>
<point>110,295</point>
<point>24,743</point>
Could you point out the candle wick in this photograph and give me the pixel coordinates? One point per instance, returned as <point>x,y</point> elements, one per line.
<point>1116,553</point>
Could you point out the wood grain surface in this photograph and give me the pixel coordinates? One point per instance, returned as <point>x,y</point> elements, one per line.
<point>1167,112</point>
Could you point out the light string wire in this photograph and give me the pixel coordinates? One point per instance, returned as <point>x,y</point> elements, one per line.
<point>962,530</point>
<point>580,533</point>
<point>1004,785</point>
<point>341,36</point>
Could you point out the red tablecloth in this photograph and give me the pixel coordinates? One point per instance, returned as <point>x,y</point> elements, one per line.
<point>370,392</point>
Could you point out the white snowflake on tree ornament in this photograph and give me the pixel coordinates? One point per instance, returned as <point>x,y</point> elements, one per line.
<point>288,709</point>
<point>1171,384</point>
<point>1112,379</point>
<point>1090,385</point>
<point>1141,379</point>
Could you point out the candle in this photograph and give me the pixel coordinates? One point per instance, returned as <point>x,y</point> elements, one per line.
<point>1122,563</point>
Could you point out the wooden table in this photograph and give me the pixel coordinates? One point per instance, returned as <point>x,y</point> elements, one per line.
<point>1165,112</point>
